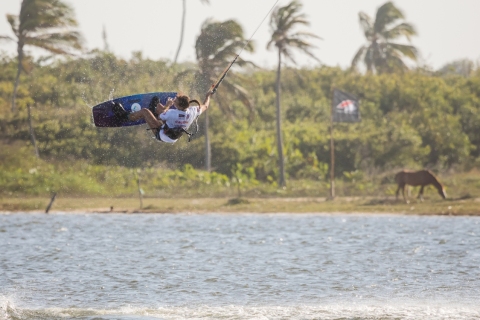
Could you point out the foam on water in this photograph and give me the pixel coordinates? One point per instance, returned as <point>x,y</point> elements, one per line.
<point>373,310</point>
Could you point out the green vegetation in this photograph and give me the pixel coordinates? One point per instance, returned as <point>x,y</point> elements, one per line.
<point>24,177</point>
<point>411,120</point>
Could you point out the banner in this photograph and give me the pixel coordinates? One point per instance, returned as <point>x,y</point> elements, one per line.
<point>346,107</point>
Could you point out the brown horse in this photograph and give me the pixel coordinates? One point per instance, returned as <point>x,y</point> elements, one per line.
<point>418,178</point>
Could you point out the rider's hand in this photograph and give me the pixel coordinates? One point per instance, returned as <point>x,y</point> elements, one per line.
<point>169,103</point>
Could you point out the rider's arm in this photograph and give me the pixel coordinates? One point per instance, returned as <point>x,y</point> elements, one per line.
<point>206,102</point>
<point>162,108</point>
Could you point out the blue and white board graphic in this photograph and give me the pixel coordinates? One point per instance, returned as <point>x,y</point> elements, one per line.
<point>103,114</point>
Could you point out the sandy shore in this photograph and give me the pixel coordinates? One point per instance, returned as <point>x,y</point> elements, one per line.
<point>366,205</point>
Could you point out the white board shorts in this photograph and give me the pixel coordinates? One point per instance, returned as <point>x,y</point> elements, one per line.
<point>162,137</point>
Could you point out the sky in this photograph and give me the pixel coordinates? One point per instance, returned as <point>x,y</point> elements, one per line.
<point>447,29</point>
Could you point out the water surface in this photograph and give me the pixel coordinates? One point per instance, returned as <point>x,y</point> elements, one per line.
<point>241,266</point>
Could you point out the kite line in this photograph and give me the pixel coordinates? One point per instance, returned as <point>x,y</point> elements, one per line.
<point>224,73</point>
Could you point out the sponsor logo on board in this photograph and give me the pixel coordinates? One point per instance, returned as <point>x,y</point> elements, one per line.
<point>136,107</point>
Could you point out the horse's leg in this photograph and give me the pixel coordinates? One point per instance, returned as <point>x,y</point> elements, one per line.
<point>420,194</point>
<point>397,192</point>
<point>403,193</point>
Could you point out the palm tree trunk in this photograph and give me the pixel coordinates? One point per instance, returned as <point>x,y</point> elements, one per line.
<point>32,133</point>
<point>281,161</point>
<point>332,153</point>
<point>182,31</point>
<point>140,192</point>
<point>208,151</point>
<point>17,78</point>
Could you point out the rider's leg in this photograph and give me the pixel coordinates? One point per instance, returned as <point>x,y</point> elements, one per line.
<point>146,114</point>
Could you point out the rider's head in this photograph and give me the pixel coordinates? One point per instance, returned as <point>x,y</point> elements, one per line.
<point>182,102</point>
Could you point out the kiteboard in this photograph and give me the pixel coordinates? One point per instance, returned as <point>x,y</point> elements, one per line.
<point>103,114</point>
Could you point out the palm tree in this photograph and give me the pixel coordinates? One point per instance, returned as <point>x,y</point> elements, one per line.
<point>184,13</point>
<point>380,54</point>
<point>43,24</point>
<point>283,22</point>
<point>216,47</point>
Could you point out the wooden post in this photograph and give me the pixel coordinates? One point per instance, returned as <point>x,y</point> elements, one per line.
<point>51,202</point>
<point>332,151</point>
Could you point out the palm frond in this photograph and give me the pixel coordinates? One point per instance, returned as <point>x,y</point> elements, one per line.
<point>303,46</point>
<point>283,21</point>
<point>13,21</point>
<point>358,56</point>
<point>229,51</point>
<point>241,94</point>
<point>296,21</point>
<point>366,24</point>
<point>6,38</point>
<point>270,43</point>
<point>242,63</point>
<point>215,37</point>
<point>49,47</point>
<point>286,13</point>
<point>386,15</point>
<point>403,29</point>
<point>305,34</point>
<point>287,53</point>
<point>36,15</point>
<point>60,42</point>
<point>405,50</point>
<point>380,54</point>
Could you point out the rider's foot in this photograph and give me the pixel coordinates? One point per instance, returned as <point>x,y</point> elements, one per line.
<point>120,112</point>
<point>153,106</point>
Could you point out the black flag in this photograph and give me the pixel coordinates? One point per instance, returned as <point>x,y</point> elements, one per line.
<point>346,107</point>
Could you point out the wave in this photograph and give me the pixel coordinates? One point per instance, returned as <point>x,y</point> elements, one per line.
<point>328,311</point>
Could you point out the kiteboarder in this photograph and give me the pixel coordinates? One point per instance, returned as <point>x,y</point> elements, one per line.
<point>170,121</point>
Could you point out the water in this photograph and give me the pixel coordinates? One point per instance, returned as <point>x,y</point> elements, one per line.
<point>249,266</point>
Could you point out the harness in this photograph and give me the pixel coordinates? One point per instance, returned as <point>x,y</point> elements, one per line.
<point>176,132</point>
